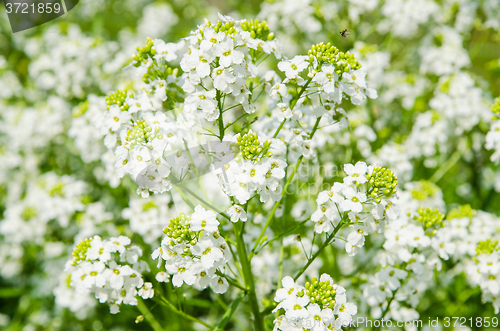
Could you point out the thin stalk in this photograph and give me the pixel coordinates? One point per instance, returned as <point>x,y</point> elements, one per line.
<point>446,167</point>
<point>318,252</point>
<point>168,304</point>
<point>288,182</point>
<point>283,234</point>
<point>148,315</point>
<point>220,120</point>
<point>248,277</point>
<point>292,106</point>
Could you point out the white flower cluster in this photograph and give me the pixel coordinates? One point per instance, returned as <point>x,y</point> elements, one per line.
<point>94,270</point>
<point>219,60</point>
<point>194,252</point>
<point>258,169</point>
<point>485,272</point>
<point>50,198</point>
<point>147,216</point>
<point>417,243</point>
<point>364,201</point>
<point>493,136</point>
<point>68,62</point>
<point>320,305</point>
<point>414,242</point>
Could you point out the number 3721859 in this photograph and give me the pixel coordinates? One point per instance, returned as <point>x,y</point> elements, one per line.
<point>471,322</point>
<point>25,8</point>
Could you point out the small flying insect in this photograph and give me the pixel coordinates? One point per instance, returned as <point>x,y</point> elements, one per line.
<point>344,33</point>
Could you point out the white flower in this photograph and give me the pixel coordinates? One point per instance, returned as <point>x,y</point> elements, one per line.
<point>228,55</point>
<point>328,79</point>
<point>295,307</point>
<point>94,275</point>
<point>162,276</point>
<point>356,173</point>
<point>146,291</point>
<point>219,285</point>
<point>115,118</point>
<point>294,67</point>
<point>442,243</point>
<point>117,244</point>
<point>237,213</point>
<point>355,240</point>
<point>353,200</point>
<point>97,250</point>
<point>204,220</point>
<point>284,112</point>
<point>318,319</point>
<point>182,275</point>
<point>392,276</point>
<point>344,310</point>
<point>289,289</point>
<point>356,77</point>
<point>207,252</point>
<point>223,79</point>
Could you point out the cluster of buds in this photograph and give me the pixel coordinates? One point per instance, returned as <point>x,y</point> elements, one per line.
<point>461,211</point>
<point>424,190</point>
<point>80,251</point>
<point>142,133</point>
<point>161,72</point>
<point>226,27</point>
<point>321,293</point>
<point>487,247</point>
<point>81,109</point>
<point>118,98</point>
<point>144,52</point>
<point>251,148</point>
<point>431,219</point>
<point>381,182</point>
<point>496,108</point>
<point>179,230</point>
<point>329,54</point>
<point>257,29</point>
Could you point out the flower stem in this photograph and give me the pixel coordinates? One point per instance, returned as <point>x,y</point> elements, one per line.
<point>325,244</point>
<point>221,110</point>
<point>288,182</point>
<point>148,315</point>
<point>248,277</point>
<point>167,303</point>
<point>292,106</point>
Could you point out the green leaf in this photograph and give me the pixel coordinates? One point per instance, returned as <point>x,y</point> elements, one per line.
<point>227,316</point>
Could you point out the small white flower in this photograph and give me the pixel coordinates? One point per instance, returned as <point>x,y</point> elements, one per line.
<point>205,220</point>
<point>237,213</point>
<point>353,201</point>
<point>162,277</point>
<point>146,291</point>
<point>219,285</point>
<point>294,67</point>
<point>356,173</point>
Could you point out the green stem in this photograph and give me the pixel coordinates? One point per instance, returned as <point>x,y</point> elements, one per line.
<point>248,277</point>
<point>283,234</point>
<point>446,167</point>
<point>221,120</point>
<point>288,182</point>
<point>174,309</point>
<point>318,252</point>
<point>148,315</point>
<point>292,106</point>
<point>201,200</point>
<point>229,313</point>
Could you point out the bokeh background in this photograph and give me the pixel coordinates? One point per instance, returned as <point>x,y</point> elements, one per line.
<point>435,65</point>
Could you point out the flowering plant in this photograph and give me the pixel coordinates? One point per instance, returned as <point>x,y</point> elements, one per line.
<point>247,175</point>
